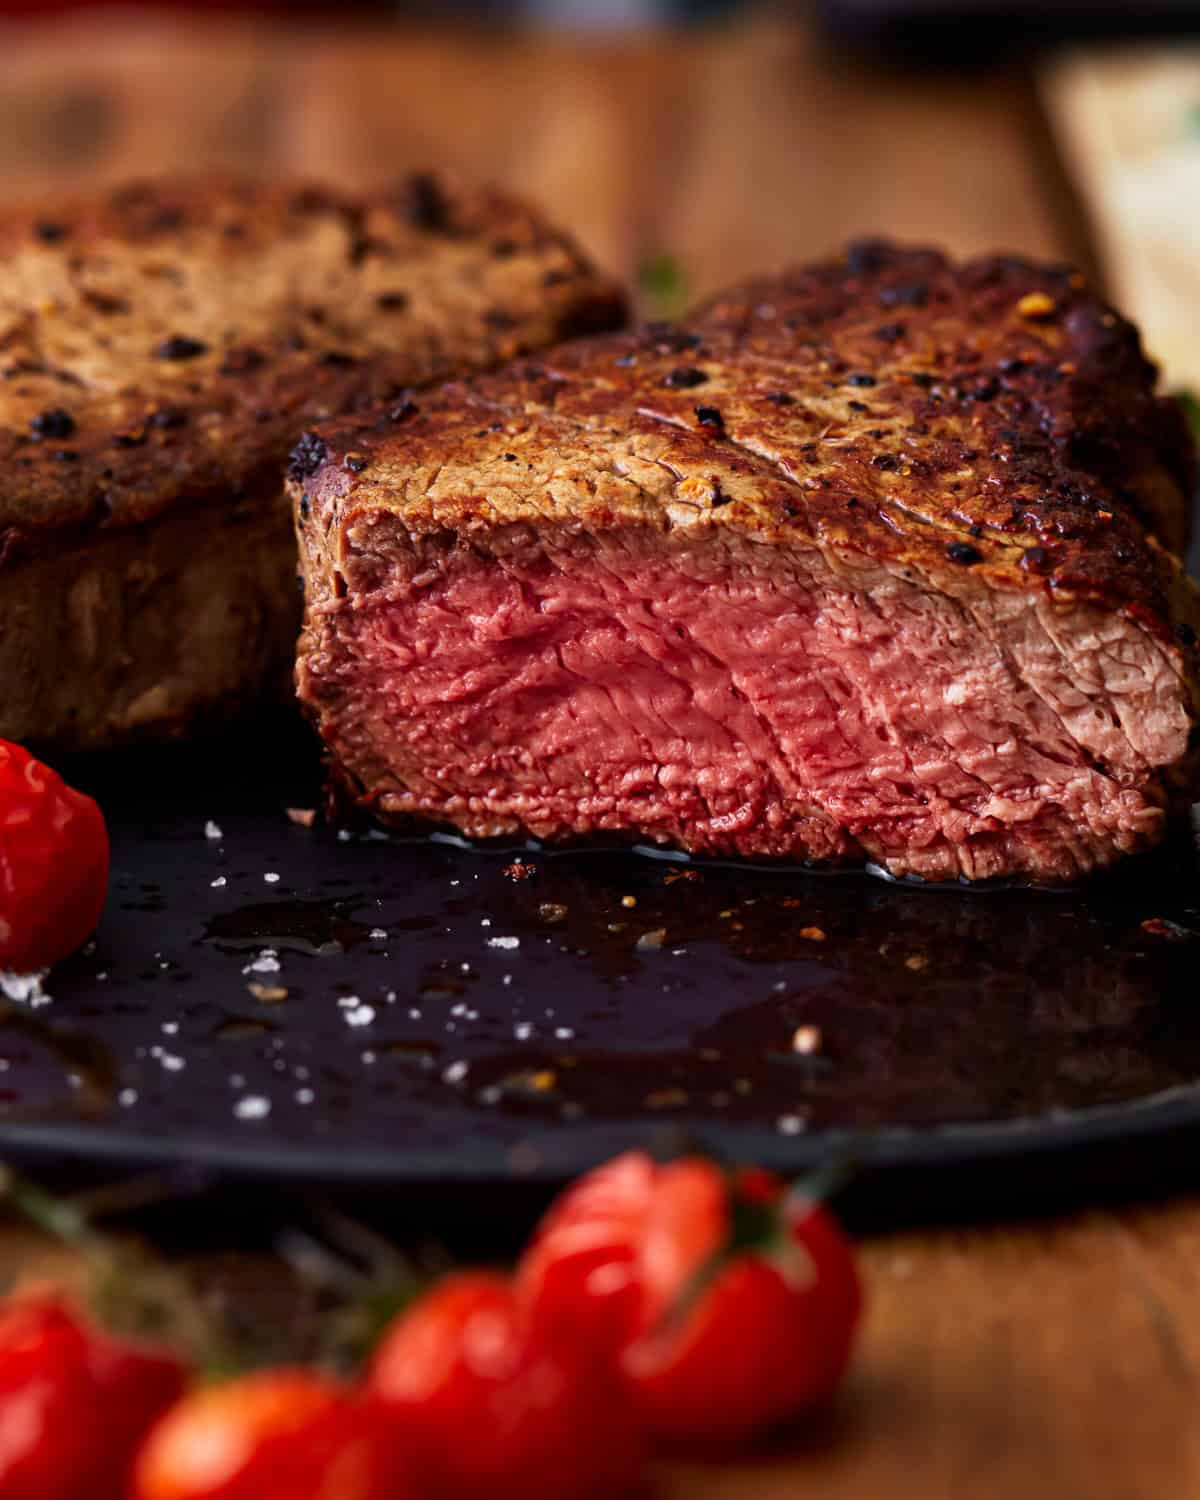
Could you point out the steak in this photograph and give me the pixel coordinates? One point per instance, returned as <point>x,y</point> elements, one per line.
<point>858,563</point>
<point>161,349</point>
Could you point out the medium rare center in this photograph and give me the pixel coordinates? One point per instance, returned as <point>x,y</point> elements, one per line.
<point>749,706</point>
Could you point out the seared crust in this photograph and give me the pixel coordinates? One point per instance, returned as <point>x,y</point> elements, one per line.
<point>1017,369</point>
<point>166,342</point>
<point>990,423</point>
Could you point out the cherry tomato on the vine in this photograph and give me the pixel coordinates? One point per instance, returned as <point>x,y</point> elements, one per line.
<point>728,1301</point>
<point>75,1403</point>
<point>283,1434</point>
<point>487,1404</point>
<point>53,863</point>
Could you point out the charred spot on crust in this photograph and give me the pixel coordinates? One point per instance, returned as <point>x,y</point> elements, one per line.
<point>105,303</point>
<point>169,416</point>
<point>424,204</point>
<point>964,553</point>
<point>50,231</point>
<point>361,246</point>
<point>391,301</point>
<point>54,423</point>
<point>866,256</point>
<point>979,388</point>
<point>905,294</point>
<point>684,378</point>
<point>307,456</point>
<point>356,462</point>
<point>710,416</point>
<point>180,346</point>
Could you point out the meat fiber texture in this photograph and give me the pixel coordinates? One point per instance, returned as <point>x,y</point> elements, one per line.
<point>164,344</point>
<point>869,561</point>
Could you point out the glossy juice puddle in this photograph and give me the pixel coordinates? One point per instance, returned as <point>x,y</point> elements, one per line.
<point>286,986</point>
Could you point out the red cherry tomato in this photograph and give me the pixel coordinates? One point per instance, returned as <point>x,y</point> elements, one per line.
<point>489,1405</point>
<point>580,1272</point>
<point>74,1403</point>
<point>283,1434</point>
<point>729,1303</point>
<point>53,863</point>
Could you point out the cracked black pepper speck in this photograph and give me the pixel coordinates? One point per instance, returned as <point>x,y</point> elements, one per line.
<point>684,377</point>
<point>54,423</point>
<point>180,346</point>
<point>307,456</point>
<point>424,204</point>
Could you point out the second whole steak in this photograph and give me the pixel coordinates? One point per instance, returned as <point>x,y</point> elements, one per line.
<point>859,562</point>
<point>163,345</point>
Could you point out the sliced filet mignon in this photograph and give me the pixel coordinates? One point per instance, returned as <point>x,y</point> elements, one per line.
<point>857,563</point>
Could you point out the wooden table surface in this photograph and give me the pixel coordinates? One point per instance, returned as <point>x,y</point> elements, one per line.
<point>1059,1359</point>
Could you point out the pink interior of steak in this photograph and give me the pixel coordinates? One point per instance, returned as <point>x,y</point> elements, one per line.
<point>739,699</point>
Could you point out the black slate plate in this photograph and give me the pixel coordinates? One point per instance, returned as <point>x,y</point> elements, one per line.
<point>455,1016</point>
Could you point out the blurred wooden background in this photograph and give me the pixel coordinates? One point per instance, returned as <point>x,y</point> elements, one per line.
<point>1053,1361</point>
<point>734,149</point>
